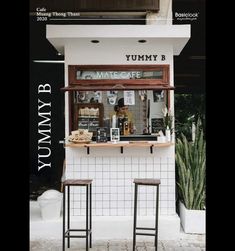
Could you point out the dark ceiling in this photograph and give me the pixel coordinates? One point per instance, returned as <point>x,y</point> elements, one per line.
<point>189,66</point>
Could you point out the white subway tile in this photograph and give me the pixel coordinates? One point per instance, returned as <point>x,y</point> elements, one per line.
<point>121,160</point>
<point>171,211</point>
<point>120,212</point>
<point>76,212</point>
<point>91,168</point>
<point>113,160</point>
<point>156,168</point>
<point>149,160</point>
<point>171,196</point>
<point>163,211</point>
<point>98,161</point>
<point>69,175</point>
<point>106,168</point>
<point>120,175</point>
<point>98,197</point>
<point>142,168</point>
<point>113,196</point>
<point>171,160</point>
<point>135,160</point>
<point>99,168</point>
<point>156,160</point>
<point>121,190</point>
<point>171,203</point>
<point>128,190</point>
<point>163,167</point>
<point>127,160</point>
<point>128,168</point>
<point>91,160</point>
<point>171,182</point>
<point>99,175</point>
<point>106,197</point>
<point>69,168</point>
<point>99,189</point>
<point>84,175</point>
<point>149,175</point>
<point>129,203</point>
<point>113,204</point>
<point>106,160</point>
<point>113,211</point>
<point>99,212</point>
<point>127,175</point>
<point>171,167</point>
<point>163,203</point>
<point>120,168</point>
<point>120,204</point>
<point>171,189</point>
<point>128,212</point>
<point>113,168</point>
<point>163,175</point>
<point>163,160</point>
<point>164,182</point>
<point>106,212</point>
<point>163,189</point>
<point>113,175</point>
<point>171,175</point>
<point>120,196</point>
<point>105,204</point>
<point>164,196</point>
<point>135,175</point>
<point>84,161</point>
<point>120,183</point>
<point>150,196</point>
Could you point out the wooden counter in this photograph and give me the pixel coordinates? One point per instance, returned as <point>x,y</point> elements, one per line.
<point>124,144</point>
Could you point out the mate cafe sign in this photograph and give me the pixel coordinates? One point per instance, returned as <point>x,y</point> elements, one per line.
<point>122,74</point>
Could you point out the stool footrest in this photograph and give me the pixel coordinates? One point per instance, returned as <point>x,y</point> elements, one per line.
<point>77,230</point>
<point>75,236</point>
<point>73,230</point>
<point>146,228</point>
<point>146,234</point>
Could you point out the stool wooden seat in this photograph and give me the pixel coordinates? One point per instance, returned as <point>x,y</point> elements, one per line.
<point>67,232</point>
<point>151,182</point>
<point>73,182</point>
<point>146,182</point>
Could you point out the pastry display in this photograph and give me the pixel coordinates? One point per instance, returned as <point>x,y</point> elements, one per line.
<point>80,136</point>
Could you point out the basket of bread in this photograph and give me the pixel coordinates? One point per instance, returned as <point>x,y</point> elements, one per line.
<point>80,136</point>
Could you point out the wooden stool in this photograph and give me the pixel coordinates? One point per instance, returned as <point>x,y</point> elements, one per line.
<point>66,233</point>
<point>146,182</point>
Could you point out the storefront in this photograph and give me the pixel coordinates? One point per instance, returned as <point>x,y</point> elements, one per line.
<point>104,63</point>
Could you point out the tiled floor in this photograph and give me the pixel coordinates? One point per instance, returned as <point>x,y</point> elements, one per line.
<point>197,243</point>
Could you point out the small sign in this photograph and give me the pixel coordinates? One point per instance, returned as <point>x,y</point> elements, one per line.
<point>157,124</point>
<point>129,97</point>
<point>101,134</point>
<point>114,134</point>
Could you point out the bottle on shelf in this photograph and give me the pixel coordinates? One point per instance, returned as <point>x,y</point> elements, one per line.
<point>168,134</point>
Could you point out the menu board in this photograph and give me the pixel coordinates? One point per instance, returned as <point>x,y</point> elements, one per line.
<point>101,134</point>
<point>157,124</point>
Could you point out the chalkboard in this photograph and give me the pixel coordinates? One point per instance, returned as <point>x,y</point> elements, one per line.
<point>157,124</point>
<point>101,134</point>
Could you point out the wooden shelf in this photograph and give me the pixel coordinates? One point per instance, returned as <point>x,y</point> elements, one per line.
<point>120,144</point>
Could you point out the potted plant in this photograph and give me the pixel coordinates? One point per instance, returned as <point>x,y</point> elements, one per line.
<point>191,180</point>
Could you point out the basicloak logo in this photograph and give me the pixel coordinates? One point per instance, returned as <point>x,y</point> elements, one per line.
<point>187,15</point>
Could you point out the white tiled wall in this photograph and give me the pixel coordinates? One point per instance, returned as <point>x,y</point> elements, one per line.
<point>112,186</point>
